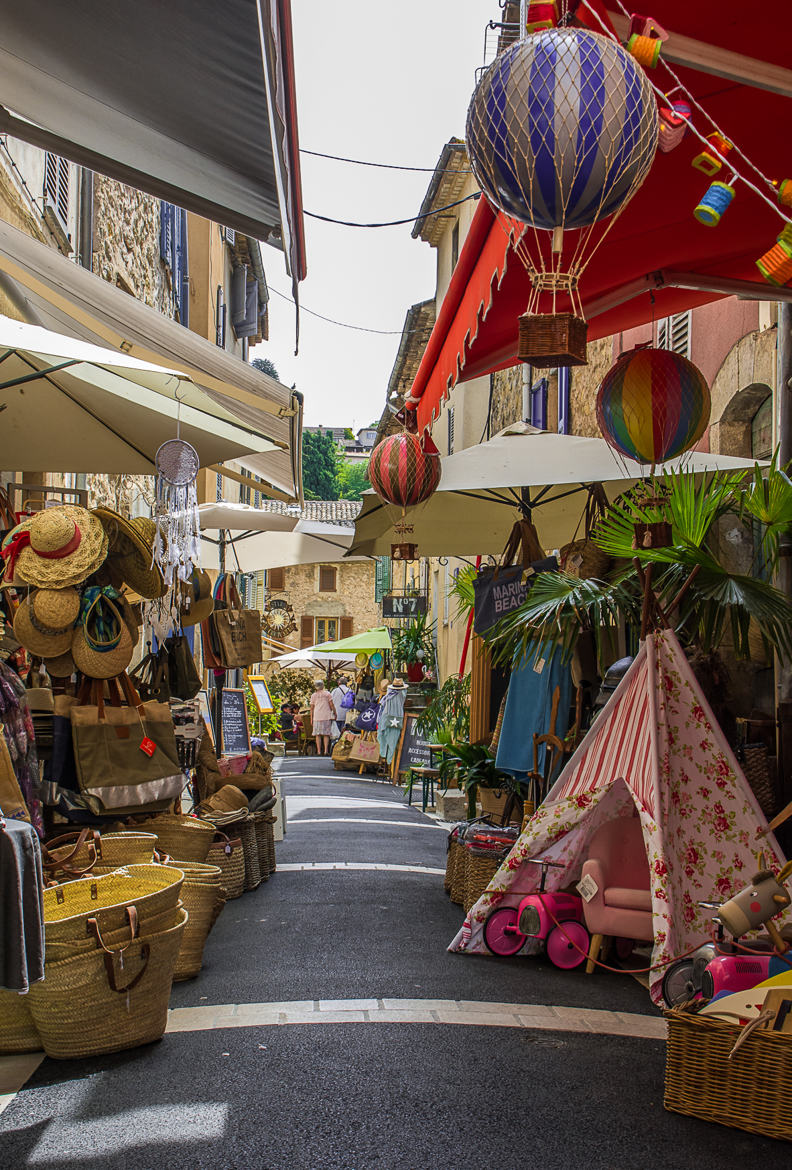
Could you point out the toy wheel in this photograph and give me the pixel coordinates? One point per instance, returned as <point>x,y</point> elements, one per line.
<point>568,952</point>
<point>501,934</point>
<point>680,982</point>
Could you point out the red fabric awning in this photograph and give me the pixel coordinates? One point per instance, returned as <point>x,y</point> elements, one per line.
<point>656,244</point>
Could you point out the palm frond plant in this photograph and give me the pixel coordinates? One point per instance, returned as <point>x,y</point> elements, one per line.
<point>460,589</point>
<point>719,601</point>
<point>473,765</point>
<point>446,718</point>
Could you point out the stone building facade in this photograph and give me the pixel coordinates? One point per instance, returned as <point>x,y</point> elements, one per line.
<point>330,600</point>
<point>126,243</point>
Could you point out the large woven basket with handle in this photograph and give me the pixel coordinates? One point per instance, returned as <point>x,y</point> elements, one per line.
<point>149,888</point>
<point>203,900</point>
<point>75,854</point>
<point>226,853</point>
<point>108,999</point>
<point>17,1030</point>
<point>183,838</point>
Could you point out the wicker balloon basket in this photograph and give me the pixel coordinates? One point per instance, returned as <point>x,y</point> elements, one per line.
<point>552,339</point>
<point>750,1091</point>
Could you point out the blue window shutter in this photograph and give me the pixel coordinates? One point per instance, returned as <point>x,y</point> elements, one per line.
<point>564,380</point>
<point>177,265</point>
<point>181,269</point>
<point>539,404</point>
<point>166,232</point>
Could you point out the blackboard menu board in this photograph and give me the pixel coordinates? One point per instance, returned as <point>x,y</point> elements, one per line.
<point>235,730</point>
<point>413,748</point>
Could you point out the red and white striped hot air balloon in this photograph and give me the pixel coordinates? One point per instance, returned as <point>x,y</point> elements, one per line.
<point>403,470</point>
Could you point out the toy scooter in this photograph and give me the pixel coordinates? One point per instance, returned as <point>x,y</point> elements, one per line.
<point>508,928</point>
<point>720,967</point>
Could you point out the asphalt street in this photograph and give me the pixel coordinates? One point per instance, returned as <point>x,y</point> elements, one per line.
<point>331,1030</point>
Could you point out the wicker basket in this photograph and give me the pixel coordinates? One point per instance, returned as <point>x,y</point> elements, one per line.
<point>751,1091</point>
<point>260,829</point>
<point>89,1005</point>
<point>185,838</point>
<point>151,924</point>
<point>67,908</point>
<point>99,854</point>
<point>479,872</point>
<point>552,339</point>
<point>453,862</point>
<point>582,559</point>
<point>756,766</point>
<point>17,1030</point>
<point>203,901</point>
<point>247,833</point>
<point>226,853</point>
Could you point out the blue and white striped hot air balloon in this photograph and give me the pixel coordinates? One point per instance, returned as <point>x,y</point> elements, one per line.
<point>562,129</point>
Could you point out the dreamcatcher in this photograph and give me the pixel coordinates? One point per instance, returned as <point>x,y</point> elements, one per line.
<point>177,538</point>
<point>561,132</point>
<point>404,470</point>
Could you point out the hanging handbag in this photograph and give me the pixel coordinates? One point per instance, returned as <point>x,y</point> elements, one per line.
<point>505,587</point>
<point>238,630</point>
<point>582,558</point>
<point>125,752</point>
<point>365,749</point>
<point>183,678</point>
<point>151,676</point>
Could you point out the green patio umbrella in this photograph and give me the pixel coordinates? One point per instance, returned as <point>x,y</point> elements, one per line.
<point>367,642</point>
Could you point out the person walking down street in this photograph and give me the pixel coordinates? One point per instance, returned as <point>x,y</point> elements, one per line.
<point>338,693</point>
<point>323,715</point>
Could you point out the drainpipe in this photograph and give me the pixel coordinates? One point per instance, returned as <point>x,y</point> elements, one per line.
<point>85,226</point>
<point>527,382</point>
<point>784,580</point>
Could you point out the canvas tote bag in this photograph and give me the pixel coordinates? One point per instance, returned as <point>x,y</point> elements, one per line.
<point>500,590</point>
<point>125,750</point>
<point>237,630</point>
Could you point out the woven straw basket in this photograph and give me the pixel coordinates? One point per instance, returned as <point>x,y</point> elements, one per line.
<point>88,1005</point>
<point>453,862</point>
<point>247,833</point>
<point>202,899</point>
<point>111,851</point>
<point>17,1030</point>
<point>151,924</point>
<point>182,838</point>
<point>751,1091</point>
<point>263,823</point>
<point>479,873</point>
<point>226,853</point>
<point>67,908</point>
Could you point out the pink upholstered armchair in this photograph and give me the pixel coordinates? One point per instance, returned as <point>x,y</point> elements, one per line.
<point>622,906</point>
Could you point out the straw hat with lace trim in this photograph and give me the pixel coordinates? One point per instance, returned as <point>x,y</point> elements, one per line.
<point>45,620</point>
<point>54,549</point>
<point>131,552</point>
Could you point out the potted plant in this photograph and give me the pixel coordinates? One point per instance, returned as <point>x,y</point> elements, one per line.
<point>476,773</point>
<point>414,646</point>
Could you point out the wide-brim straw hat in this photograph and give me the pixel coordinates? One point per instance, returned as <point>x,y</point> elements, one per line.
<point>44,622</point>
<point>399,684</point>
<point>54,549</point>
<point>195,599</point>
<point>60,667</point>
<point>103,662</point>
<point>132,551</point>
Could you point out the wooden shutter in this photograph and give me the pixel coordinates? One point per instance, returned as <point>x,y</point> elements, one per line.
<point>327,579</point>
<point>56,185</point>
<point>306,632</point>
<point>276,580</point>
<point>346,627</point>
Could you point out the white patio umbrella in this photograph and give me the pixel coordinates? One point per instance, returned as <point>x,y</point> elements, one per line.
<point>485,488</point>
<point>311,656</point>
<point>67,405</point>
<point>301,542</point>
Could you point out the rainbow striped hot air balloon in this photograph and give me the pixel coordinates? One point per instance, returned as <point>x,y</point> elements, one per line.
<point>653,405</point>
<point>403,470</point>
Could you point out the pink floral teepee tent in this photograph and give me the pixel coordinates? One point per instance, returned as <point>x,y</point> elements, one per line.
<point>657,748</point>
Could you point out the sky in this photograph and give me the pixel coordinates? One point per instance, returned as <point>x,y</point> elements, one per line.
<point>387,83</point>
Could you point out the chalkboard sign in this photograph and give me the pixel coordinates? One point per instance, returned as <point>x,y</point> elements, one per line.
<point>403,605</point>
<point>235,729</point>
<point>261,695</point>
<point>413,749</point>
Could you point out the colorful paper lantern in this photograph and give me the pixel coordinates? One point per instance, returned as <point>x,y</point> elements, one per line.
<point>562,129</point>
<point>710,160</point>
<point>714,202</point>
<point>653,405</point>
<point>403,470</point>
<point>673,125</point>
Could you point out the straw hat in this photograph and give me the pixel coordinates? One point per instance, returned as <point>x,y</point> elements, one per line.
<point>60,667</point>
<point>55,548</point>
<point>101,653</point>
<point>195,598</point>
<point>45,620</point>
<point>132,551</point>
<point>399,684</point>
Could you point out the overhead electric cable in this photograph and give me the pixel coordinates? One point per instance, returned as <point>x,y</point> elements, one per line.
<point>393,222</point>
<point>345,324</point>
<point>385,166</point>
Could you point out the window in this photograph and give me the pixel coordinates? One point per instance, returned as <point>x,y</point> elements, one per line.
<point>173,253</point>
<point>346,627</point>
<point>326,630</point>
<point>245,493</point>
<point>454,245</point>
<point>327,579</point>
<point>674,333</point>
<point>450,430</point>
<point>276,580</point>
<point>56,186</point>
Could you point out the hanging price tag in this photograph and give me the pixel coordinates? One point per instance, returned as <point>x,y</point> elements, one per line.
<point>148,746</point>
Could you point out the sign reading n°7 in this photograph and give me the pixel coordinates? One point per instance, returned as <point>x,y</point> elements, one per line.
<point>395,605</point>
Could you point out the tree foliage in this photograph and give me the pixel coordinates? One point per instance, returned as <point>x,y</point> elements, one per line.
<point>267,366</point>
<point>352,479</point>
<point>320,466</point>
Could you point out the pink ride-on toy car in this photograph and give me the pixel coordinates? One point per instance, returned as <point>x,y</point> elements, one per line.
<point>556,919</point>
